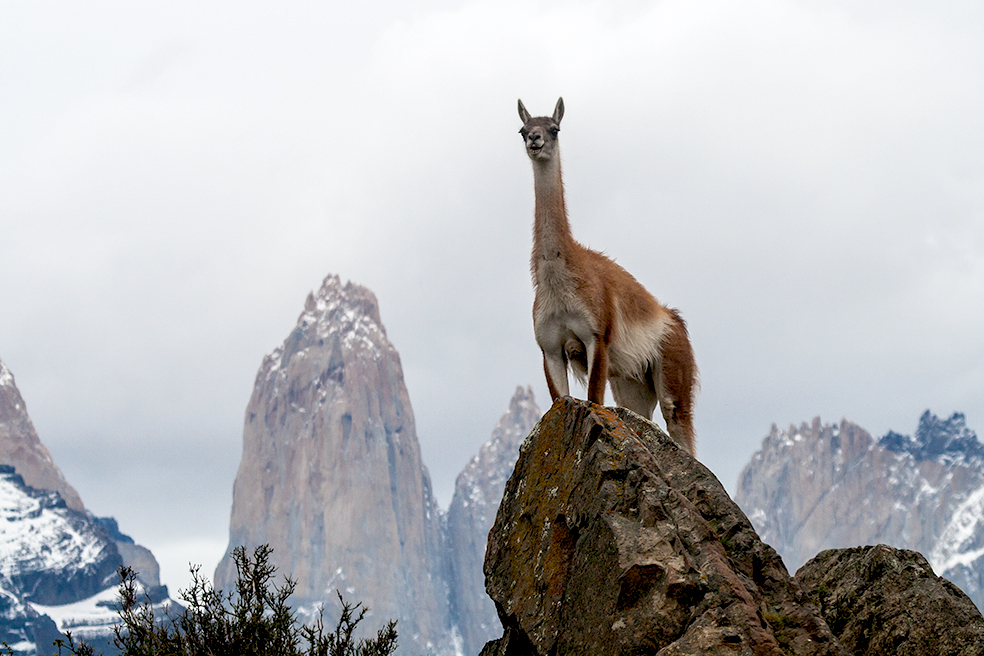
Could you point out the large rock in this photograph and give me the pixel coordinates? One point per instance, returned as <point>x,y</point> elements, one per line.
<point>331,475</point>
<point>21,447</point>
<point>477,493</point>
<point>821,486</point>
<point>611,539</point>
<point>882,601</point>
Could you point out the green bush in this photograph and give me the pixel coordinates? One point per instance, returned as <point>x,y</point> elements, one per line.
<point>256,620</point>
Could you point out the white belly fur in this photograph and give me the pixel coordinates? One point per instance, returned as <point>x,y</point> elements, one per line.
<point>561,317</point>
<point>635,346</point>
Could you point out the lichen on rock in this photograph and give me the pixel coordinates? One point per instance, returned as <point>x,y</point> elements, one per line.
<point>882,601</point>
<point>611,539</point>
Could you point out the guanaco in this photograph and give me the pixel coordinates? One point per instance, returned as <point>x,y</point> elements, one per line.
<point>591,314</point>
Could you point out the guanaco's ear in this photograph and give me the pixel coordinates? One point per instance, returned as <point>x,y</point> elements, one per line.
<point>524,115</point>
<point>558,111</point>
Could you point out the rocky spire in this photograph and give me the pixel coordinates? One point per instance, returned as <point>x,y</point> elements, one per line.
<point>331,475</point>
<point>477,493</point>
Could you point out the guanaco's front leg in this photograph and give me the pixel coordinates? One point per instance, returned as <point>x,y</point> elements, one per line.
<point>597,370</point>
<point>556,372</point>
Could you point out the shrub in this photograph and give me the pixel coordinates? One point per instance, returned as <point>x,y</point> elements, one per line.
<point>256,620</point>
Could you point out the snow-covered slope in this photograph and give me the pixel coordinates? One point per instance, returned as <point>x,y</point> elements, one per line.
<point>92,619</point>
<point>49,553</point>
<point>51,557</point>
<point>56,559</point>
<point>23,628</point>
<point>824,486</point>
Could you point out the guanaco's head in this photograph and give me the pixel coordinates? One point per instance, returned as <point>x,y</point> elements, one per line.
<point>540,133</point>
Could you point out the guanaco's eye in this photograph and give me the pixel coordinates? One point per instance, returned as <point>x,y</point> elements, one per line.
<point>554,130</point>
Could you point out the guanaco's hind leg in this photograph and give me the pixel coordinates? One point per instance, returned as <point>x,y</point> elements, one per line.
<point>677,385</point>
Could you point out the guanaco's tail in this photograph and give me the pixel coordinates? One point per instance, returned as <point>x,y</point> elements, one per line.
<point>678,383</point>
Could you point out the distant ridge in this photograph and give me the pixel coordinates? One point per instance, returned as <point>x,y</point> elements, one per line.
<point>937,439</point>
<point>820,486</point>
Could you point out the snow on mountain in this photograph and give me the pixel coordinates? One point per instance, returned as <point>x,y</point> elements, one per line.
<point>22,628</point>
<point>92,619</point>
<point>88,619</point>
<point>56,559</point>
<point>51,557</point>
<point>944,440</point>
<point>960,542</point>
<point>818,486</point>
<point>6,378</point>
<point>48,552</point>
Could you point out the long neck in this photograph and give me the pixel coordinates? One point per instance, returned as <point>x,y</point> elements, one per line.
<point>552,237</point>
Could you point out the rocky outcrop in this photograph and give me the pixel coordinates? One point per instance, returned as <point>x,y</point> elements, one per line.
<point>820,486</point>
<point>331,475</point>
<point>611,539</point>
<point>21,448</point>
<point>881,601</point>
<point>477,493</point>
<point>138,558</point>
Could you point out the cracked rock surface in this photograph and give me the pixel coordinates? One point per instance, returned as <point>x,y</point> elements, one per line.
<point>611,539</point>
<point>879,600</point>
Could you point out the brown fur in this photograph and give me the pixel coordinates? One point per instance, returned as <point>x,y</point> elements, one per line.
<point>585,301</point>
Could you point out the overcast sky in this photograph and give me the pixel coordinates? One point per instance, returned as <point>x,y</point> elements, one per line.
<point>804,180</point>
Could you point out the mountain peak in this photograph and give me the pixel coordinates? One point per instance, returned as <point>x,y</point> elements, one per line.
<point>21,447</point>
<point>937,438</point>
<point>522,400</point>
<point>477,492</point>
<point>331,475</point>
<point>346,308</point>
<point>344,318</point>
